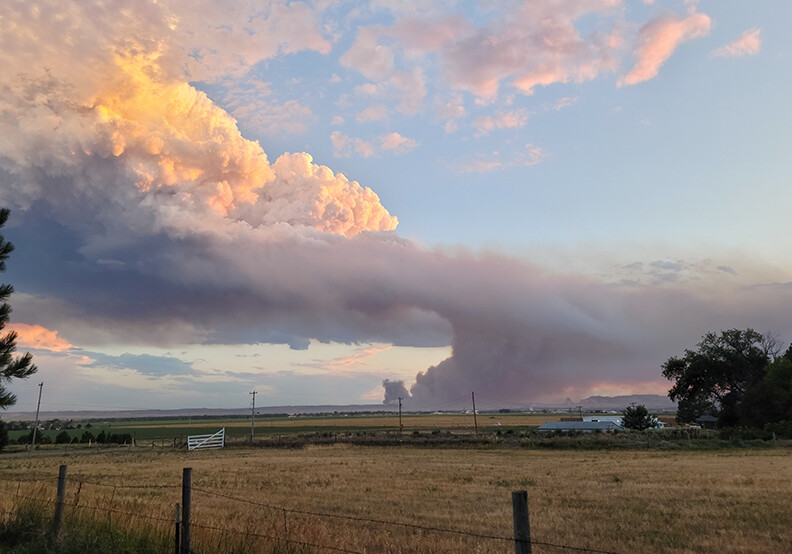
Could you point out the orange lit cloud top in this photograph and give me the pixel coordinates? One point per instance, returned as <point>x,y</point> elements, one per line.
<point>38,338</point>
<point>131,127</point>
<point>174,139</point>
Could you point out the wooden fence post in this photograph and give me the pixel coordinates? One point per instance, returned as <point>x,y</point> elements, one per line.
<point>178,528</point>
<point>522,525</point>
<point>185,524</point>
<point>58,519</point>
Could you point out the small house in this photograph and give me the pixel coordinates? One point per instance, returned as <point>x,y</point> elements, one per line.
<point>708,422</point>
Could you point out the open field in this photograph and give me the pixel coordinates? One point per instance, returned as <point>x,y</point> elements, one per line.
<point>142,429</point>
<point>633,501</point>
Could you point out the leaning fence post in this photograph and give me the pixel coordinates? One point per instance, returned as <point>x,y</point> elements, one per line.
<point>185,524</point>
<point>522,525</point>
<point>58,519</point>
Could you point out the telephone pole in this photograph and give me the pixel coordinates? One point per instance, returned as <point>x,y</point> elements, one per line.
<point>35,425</point>
<point>475,422</point>
<point>400,423</point>
<point>252,416</point>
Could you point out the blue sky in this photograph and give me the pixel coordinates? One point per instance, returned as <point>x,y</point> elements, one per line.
<point>534,200</point>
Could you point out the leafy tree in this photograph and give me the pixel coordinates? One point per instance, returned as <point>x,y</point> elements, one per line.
<point>637,418</point>
<point>11,367</point>
<point>63,438</point>
<point>3,434</point>
<point>770,400</point>
<point>87,436</point>
<point>714,378</point>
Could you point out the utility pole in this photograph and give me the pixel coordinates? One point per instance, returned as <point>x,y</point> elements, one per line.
<point>35,425</point>
<point>252,416</point>
<point>475,422</point>
<point>400,423</point>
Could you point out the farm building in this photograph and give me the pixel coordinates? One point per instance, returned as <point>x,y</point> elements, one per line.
<point>708,422</point>
<point>614,419</point>
<point>585,426</point>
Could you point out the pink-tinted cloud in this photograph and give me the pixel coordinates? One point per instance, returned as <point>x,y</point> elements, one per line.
<point>565,102</point>
<point>38,338</point>
<point>344,146</point>
<point>537,45</point>
<point>657,41</point>
<point>396,143</point>
<point>377,112</point>
<point>534,45</point>
<point>747,44</point>
<point>513,119</point>
<point>349,365</point>
<point>368,56</point>
<point>528,156</point>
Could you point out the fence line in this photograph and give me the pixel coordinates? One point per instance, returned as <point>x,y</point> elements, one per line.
<point>356,518</point>
<point>109,509</point>
<point>115,485</point>
<point>272,538</point>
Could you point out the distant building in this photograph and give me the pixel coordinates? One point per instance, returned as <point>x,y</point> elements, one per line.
<point>584,426</point>
<point>708,422</point>
<point>614,419</point>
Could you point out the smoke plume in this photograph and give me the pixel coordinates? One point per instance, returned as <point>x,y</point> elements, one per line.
<point>171,228</point>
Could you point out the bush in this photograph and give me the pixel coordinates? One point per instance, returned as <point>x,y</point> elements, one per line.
<point>63,438</point>
<point>782,429</point>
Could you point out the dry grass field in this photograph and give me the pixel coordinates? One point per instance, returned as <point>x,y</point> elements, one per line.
<point>628,501</point>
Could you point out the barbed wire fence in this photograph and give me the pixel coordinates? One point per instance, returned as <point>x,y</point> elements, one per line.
<point>283,527</point>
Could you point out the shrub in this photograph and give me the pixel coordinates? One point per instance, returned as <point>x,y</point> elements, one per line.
<point>3,434</point>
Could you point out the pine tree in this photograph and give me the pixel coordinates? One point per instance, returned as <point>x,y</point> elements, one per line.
<point>11,367</point>
<point>637,418</point>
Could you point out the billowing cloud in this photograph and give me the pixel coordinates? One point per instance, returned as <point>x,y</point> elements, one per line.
<point>157,143</point>
<point>747,44</point>
<point>172,227</point>
<point>657,41</point>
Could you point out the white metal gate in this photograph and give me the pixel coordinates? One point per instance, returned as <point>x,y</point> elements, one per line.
<point>216,440</point>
